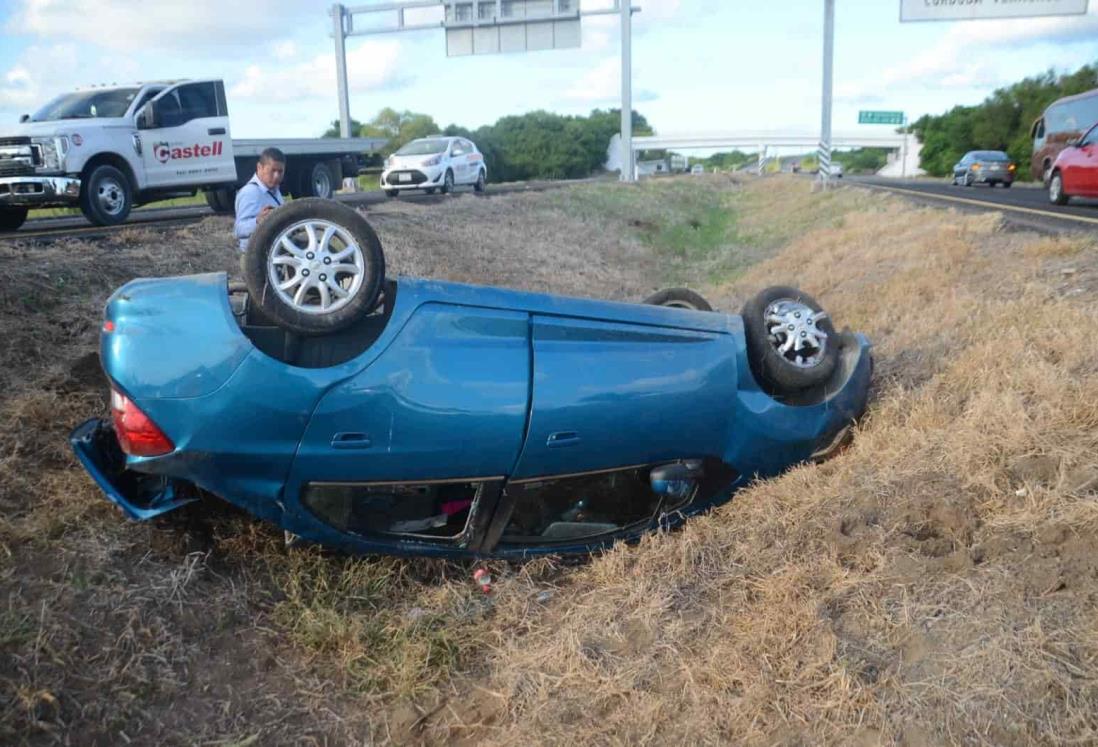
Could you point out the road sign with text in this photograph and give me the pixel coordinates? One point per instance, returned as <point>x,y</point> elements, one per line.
<point>885,118</point>
<point>967,10</point>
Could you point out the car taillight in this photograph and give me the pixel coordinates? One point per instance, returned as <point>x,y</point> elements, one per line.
<point>137,434</point>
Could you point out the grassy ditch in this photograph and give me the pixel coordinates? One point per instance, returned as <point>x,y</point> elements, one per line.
<point>934,583</point>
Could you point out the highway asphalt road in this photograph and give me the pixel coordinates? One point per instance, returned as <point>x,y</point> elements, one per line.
<point>77,225</point>
<point>1023,204</point>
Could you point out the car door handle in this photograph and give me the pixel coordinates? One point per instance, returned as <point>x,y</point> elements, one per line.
<point>561,439</point>
<point>216,131</point>
<point>350,441</point>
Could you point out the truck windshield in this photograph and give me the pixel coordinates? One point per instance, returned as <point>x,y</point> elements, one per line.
<point>422,148</point>
<point>87,105</point>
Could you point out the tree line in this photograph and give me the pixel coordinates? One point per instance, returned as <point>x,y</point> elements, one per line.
<point>535,145</point>
<point>1002,122</point>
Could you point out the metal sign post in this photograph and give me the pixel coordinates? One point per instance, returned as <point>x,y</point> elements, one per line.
<point>824,151</point>
<point>627,174</point>
<point>469,26</point>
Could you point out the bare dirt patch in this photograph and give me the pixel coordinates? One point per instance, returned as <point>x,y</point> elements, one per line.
<point>934,583</point>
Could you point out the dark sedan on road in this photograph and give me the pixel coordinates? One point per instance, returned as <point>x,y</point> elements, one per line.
<point>989,167</point>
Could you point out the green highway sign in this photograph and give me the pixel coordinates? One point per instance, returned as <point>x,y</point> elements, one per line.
<point>886,118</point>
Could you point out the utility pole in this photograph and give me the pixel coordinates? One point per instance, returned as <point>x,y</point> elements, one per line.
<point>338,13</point>
<point>824,151</point>
<point>626,90</point>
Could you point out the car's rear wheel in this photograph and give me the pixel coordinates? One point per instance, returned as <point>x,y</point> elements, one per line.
<point>791,343</point>
<point>430,190</point>
<point>482,178</point>
<point>679,298</point>
<point>314,266</point>
<point>1056,194</point>
<point>12,217</point>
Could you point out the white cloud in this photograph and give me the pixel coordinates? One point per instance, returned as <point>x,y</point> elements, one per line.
<point>190,24</point>
<point>27,84</point>
<point>371,66</point>
<point>1029,31</point>
<point>285,50</point>
<point>601,85</point>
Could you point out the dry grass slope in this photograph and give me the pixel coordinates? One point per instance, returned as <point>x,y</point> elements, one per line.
<point>934,583</point>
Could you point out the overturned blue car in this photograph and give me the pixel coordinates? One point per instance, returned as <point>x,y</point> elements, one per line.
<point>411,416</point>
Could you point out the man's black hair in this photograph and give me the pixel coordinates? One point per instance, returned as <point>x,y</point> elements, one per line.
<point>272,154</point>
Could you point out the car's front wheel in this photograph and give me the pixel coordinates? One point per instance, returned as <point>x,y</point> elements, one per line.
<point>11,218</point>
<point>1056,194</point>
<point>791,343</point>
<point>392,192</point>
<point>314,266</point>
<point>679,298</point>
<point>107,197</point>
<point>447,183</point>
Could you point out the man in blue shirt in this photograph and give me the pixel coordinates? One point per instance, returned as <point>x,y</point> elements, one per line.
<point>256,199</point>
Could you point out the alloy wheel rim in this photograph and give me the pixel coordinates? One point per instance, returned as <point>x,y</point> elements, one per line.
<point>794,332</point>
<point>316,267</point>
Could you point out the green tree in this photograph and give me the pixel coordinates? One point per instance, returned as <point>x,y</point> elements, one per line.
<point>1001,122</point>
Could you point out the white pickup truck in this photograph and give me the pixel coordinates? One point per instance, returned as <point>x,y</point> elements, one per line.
<point>108,149</point>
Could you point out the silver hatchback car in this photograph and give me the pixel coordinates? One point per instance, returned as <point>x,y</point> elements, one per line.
<point>431,163</point>
<point>989,167</point>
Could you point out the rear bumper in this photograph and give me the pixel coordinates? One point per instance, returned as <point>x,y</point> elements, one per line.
<point>140,496</point>
<point>39,191</point>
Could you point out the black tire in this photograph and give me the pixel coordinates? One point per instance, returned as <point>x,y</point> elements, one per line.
<point>11,218</point>
<point>318,181</point>
<point>775,372</point>
<point>482,179</point>
<point>392,192</point>
<point>679,298</point>
<point>222,200</point>
<point>1056,193</point>
<point>447,183</point>
<point>967,182</point>
<point>430,190</point>
<point>1007,185</point>
<point>106,196</point>
<point>267,238</point>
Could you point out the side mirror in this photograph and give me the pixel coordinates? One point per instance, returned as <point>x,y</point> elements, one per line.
<point>23,118</point>
<point>146,117</point>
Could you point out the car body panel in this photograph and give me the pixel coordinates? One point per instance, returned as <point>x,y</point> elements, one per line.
<point>1078,166</point>
<point>467,384</point>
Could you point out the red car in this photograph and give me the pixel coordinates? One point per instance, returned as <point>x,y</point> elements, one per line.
<point>1075,171</point>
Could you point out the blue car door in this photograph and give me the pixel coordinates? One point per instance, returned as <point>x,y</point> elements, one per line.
<point>407,444</point>
<point>607,395</point>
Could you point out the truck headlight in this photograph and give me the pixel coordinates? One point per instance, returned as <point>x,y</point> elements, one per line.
<point>53,150</point>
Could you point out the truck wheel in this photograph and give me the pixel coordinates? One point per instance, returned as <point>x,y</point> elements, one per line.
<point>12,217</point>
<point>106,197</point>
<point>319,181</point>
<point>791,343</point>
<point>314,266</point>
<point>222,200</point>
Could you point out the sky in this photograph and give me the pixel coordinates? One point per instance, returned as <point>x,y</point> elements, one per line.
<point>699,66</point>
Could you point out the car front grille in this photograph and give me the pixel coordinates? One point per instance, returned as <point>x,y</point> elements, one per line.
<point>418,177</point>
<point>11,167</point>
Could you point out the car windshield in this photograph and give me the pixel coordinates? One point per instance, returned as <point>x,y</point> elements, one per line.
<point>87,105</point>
<point>989,155</point>
<point>422,148</point>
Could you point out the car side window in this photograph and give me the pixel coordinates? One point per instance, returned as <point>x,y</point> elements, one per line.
<point>456,149</point>
<point>468,146</point>
<point>198,100</point>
